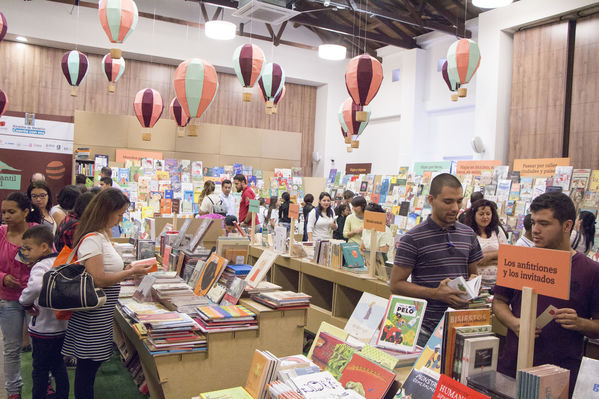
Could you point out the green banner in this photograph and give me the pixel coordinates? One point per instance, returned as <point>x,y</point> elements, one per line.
<point>10,182</point>
<point>435,167</point>
<point>255,206</point>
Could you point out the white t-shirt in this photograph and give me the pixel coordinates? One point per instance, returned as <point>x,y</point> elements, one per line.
<point>491,244</point>
<point>100,244</point>
<point>524,242</point>
<point>208,202</point>
<point>321,229</point>
<point>57,208</point>
<point>383,239</point>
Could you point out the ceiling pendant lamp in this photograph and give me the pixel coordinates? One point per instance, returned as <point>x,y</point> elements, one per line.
<point>332,52</point>
<point>220,30</point>
<point>491,3</point>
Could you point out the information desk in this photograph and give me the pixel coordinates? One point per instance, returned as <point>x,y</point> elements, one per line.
<point>226,363</point>
<point>335,293</point>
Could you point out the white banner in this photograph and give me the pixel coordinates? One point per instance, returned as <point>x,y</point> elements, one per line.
<point>42,135</point>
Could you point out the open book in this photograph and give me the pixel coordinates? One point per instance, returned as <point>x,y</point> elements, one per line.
<point>469,288</point>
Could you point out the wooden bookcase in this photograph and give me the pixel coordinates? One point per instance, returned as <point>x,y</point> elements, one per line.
<point>335,293</point>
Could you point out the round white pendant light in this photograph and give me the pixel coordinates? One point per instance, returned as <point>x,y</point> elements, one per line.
<point>333,52</point>
<point>491,3</point>
<point>220,30</point>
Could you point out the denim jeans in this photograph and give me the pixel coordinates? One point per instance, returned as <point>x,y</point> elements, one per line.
<point>12,316</point>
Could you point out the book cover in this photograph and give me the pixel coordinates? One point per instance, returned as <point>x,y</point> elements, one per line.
<point>234,292</point>
<point>171,165</point>
<point>367,378</point>
<point>451,389</point>
<point>594,181</point>
<point>318,386</point>
<point>324,348</point>
<point>526,188</point>
<point>580,179</point>
<point>480,355</point>
<point>539,187</point>
<point>329,329</point>
<point>503,190</point>
<point>587,382</point>
<point>402,322</point>
<point>562,177</point>
<point>260,268</point>
<point>196,168</point>
<point>418,385</point>
<point>210,274</point>
<point>229,393</point>
<point>351,255</point>
<point>257,374</point>
<point>500,172</point>
<point>431,356</point>
<point>123,176</point>
<point>366,317</point>
<point>378,356</point>
<point>342,354</point>
<point>463,333</point>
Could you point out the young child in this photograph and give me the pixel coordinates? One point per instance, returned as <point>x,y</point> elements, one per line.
<point>47,333</point>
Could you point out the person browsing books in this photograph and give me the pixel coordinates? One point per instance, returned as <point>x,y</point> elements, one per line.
<point>526,239</point>
<point>321,221</point>
<point>384,239</point>
<point>435,252</point>
<point>247,194</point>
<point>227,198</point>
<point>47,333</point>
<point>342,212</point>
<point>354,223</point>
<point>560,342</point>
<point>306,209</point>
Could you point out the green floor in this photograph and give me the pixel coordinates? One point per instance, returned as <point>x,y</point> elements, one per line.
<point>112,381</point>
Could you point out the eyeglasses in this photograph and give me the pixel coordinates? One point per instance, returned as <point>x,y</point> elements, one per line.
<point>38,196</point>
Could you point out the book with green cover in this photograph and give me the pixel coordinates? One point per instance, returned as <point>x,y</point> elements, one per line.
<point>341,356</point>
<point>329,329</point>
<point>378,356</point>
<point>351,254</point>
<point>402,322</point>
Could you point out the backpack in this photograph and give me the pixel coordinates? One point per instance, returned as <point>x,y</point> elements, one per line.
<point>220,208</point>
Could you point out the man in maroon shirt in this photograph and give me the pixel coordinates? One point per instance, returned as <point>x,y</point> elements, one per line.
<point>561,341</point>
<point>247,194</point>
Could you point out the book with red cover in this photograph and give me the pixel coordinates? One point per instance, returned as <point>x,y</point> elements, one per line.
<point>375,380</point>
<point>448,388</point>
<point>323,349</point>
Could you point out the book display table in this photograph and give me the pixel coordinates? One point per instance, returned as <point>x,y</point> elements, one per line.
<point>335,293</point>
<point>180,375</point>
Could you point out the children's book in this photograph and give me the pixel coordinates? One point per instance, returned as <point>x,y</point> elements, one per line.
<point>580,179</point>
<point>329,329</point>
<point>351,255</point>
<point>402,322</point>
<point>324,348</point>
<point>366,377</point>
<point>562,177</point>
<point>341,356</point>
<point>318,386</point>
<point>448,388</point>
<point>214,267</point>
<point>431,356</point>
<point>503,190</point>
<point>258,374</point>
<point>366,317</point>
<point>260,268</point>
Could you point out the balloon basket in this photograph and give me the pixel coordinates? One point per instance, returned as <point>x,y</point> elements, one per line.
<point>269,111</point>
<point>273,110</point>
<point>246,97</point>
<point>74,91</point>
<point>361,116</point>
<point>348,140</point>
<point>270,104</point>
<point>116,53</point>
<point>146,136</point>
<point>349,149</point>
<point>355,144</point>
<point>462,91</point>
<point>180,132</point>
<point>111,88</point>
<point>192,131</point>
<point>454,97</point>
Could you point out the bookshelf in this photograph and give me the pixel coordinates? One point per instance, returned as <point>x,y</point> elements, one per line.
<point>335,293</point>
<point>85,167</point>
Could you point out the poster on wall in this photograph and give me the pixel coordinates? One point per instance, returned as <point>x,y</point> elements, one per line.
<point>42,146</point>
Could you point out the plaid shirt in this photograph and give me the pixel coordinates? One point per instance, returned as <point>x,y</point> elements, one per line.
<point>66,232</point>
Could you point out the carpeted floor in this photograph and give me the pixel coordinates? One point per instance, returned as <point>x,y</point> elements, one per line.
<point>112,381</point>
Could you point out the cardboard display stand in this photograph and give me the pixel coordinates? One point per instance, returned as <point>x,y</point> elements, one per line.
<point>375,222</point>
<point>293,215</point>
<point>254,209</point>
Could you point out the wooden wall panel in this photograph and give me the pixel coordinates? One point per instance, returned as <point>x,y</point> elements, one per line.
<point>538,92</point>
<point>33,80</point>
<point>584,126</point>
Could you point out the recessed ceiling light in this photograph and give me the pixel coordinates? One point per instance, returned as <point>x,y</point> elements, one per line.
<point>21,39</point>
<point>220,30</point>
<point>491,3</point>
<point>333,52</point>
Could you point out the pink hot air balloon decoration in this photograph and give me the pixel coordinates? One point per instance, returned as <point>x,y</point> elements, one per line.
<point>248,61</point>
<point>3,26</point>
<point>118,19</point>
<point>148,107</point>
<point>74,67</point>
<point>180,117</point>
<point>113,70</point>
<point>3,102</point>
<point>363,79</point>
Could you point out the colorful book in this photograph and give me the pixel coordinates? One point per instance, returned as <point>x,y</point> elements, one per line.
<point>594,182</point>
<point>562,177</point>
<point>214,267</point>
<point>366,317</point>
<point>257,375</point>
<point>324,348</point>
<point>329,329</point>
<point>351,255</point>
<point>341,356</point>
<point>366,377</point>
<point>402,322</point>
<point>260,268</point>
<point>431,356</point>
<point>580,179</point>
<point>448,388</point>
<point>379,357</point>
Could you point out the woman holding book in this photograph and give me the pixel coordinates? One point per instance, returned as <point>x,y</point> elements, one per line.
<point>483,219</point>
<point>89,334</point>
<point>321,220</point>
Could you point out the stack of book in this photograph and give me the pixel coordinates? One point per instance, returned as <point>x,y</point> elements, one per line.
<point>283,299</point>
<point>263,286</point>
<point>217,318</point>
<point>172,331</point>
<point>262,372</point>
<point>494,384</point>
<point>185,303</point>
<point>546,381</point>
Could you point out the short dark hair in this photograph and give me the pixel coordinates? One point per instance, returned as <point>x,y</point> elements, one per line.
<point>240,177</point>
<point>470,219</point>
<point>42,185</point>
<point>262,201</point>
<point>561,205</point>
<point>41,234</point>
<point>285,196</point>
<point>230,220</point>
<point>359,201</point>
<point>308,198</point>
<point>476,196</point>
<point>339,210</point>
<point>94,190</point>
<point>527,222</point>
<point>348,194</point>
<point>80,179</point>
<point>24,202</point>
<point>68,196</point>
<point>106,171</point>
<point>82,202</point>
<point>374,207</point>
<point>107,181</point>
<point>226,181</point>
<point>443,180</point>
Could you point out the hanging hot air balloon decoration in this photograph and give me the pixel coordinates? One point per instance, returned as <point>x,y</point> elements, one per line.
<point>3,102</point>
<point>463,59</point>
<point>74,67</point>
<point>180,117</point>
<point>119,19</point>
<point>363,79</point>
<point>3,26</point>
<point>148,107</point>
<point>113,70</point>
<point>278,99</point>
<point>196,83</point>
<point>452,85</point>
<point>348,112</point>
<point>271,83</point>
<point>248,61</point>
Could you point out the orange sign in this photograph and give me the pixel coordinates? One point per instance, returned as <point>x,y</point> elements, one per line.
<point>294,211</point>
<point>123,155</point>
<point>475,168</point>
<point>547,271</point>
<point>375,221</point>
<point>540,167</point>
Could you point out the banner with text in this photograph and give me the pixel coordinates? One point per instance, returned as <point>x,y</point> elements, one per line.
<point>41,135</point>
<point>124,155</point>
<point>434,167</point>
<point>539,167</point>
<point>475,168</point>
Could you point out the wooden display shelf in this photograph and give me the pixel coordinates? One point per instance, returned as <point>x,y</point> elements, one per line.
<point>335,293</point>
<point>229,356</point>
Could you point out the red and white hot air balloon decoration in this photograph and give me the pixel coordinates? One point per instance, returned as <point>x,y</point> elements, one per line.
<point>248,61</point>
<point>148,107</point>
<point>463,59</point>
<point>113,70</point>
<point>180,117</point>
<point>3,103</point>
<point>118,19</point>
<point>363,79</point>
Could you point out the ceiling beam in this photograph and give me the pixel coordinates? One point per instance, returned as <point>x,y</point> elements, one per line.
<point>389,24</point>
<point>414,12</point>
<point>448,16</point>
<point>204,12</point>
